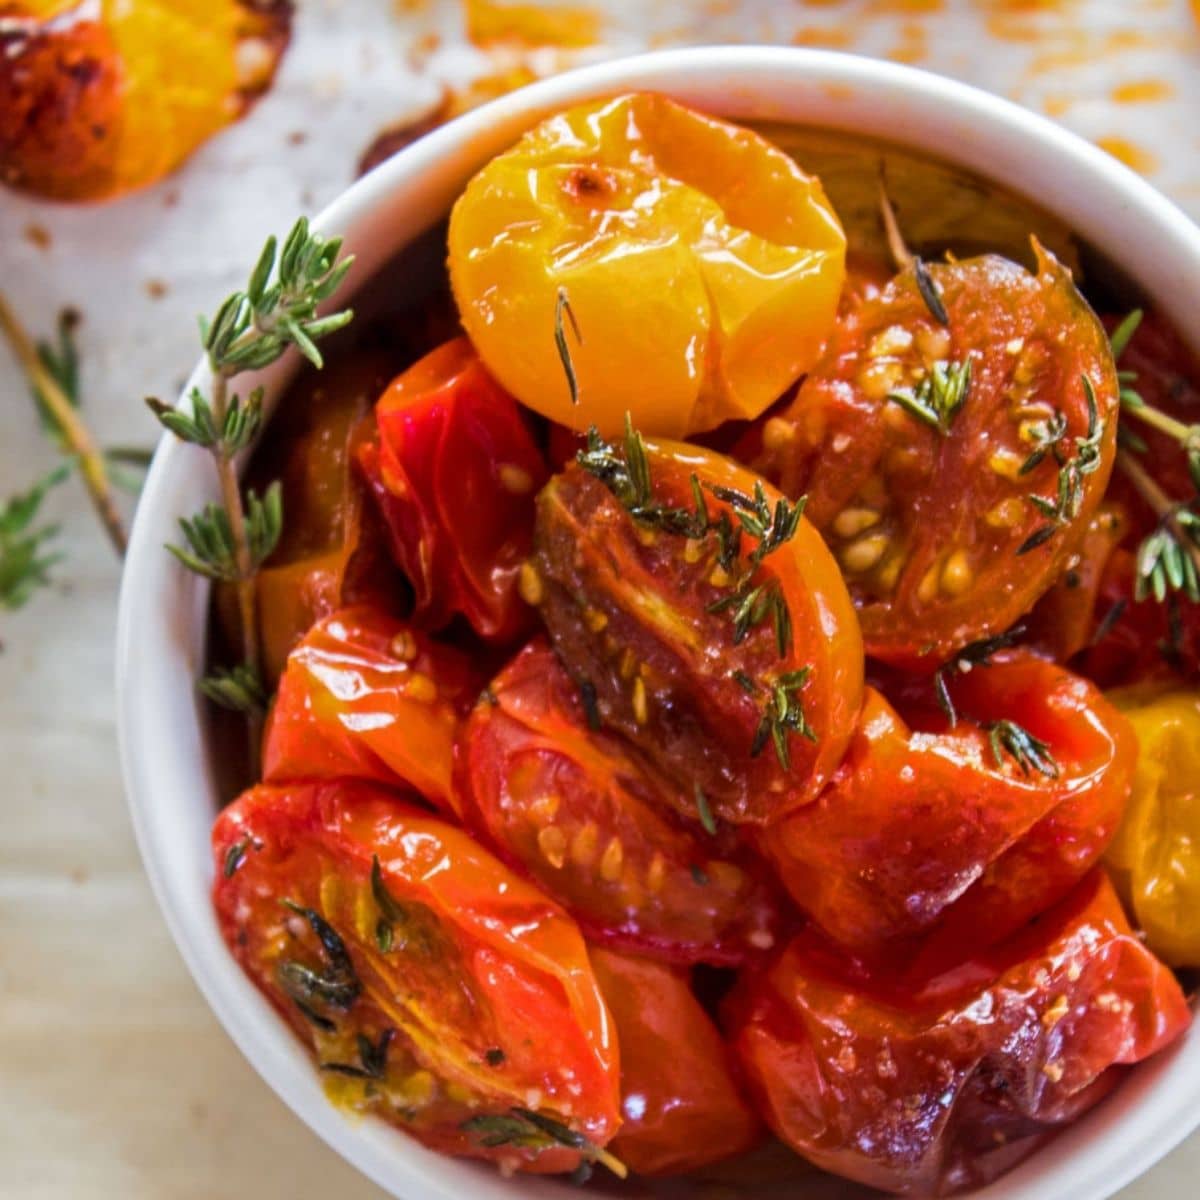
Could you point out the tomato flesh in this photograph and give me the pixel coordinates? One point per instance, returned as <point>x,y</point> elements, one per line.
<point>596,827</point>
<point>477,988</point>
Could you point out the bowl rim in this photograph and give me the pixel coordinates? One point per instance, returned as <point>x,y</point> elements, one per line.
<point>161,617</point>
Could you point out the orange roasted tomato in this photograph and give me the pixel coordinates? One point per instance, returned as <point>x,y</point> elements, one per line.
<point>436,989</point>
<point>454,471</point>
<point>929,1089</point>
<point>333,548</point>
<point>952,464</point>
<point>99,98</point>
<point>968,832</point>
<point>690,268</point>
<point>582,813</point>
<point>681,1105</point>
<point>366,696</point>
<point>707,618</point>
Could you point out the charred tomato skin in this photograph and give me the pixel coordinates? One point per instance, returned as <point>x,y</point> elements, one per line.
<point>361,917</point>
<point>925,846</point>
<point>597,828</point>
<point>932,526</point>
<point>632,611</point>
<point>681,1102</point>
<point>926,1090</point>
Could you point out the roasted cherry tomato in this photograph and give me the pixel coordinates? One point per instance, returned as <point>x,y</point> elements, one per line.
<point>920,444</point>
<point>681,1105</point>
<point>333,548</point>
<point>99,98</point>
<point>924,1091</point>
<point>1155,857</point>
<point>594,825</point>
<point>455,471</point>
<point>366,696</point>
<point>672,251</point>
<point>436,989</point>
<point>708,618</point>
<point>930,830</point>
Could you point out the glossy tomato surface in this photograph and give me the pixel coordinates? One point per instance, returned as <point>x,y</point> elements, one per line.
<point>923,830</point>
<point>733,660</point>
<point>369,697</point>
<point>932,520</point>
<point>681,1104</point>
<point>699,264</point>
<point>931,1089</point>
<point>454,471</point>
<point>436,989</point>
<point>583,813</point>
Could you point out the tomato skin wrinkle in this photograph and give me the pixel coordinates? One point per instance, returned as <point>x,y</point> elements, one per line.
<point>949,530</point>
<point>483,1000</point>
<point>589,819</point>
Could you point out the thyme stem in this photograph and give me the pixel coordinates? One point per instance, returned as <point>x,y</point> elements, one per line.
<point>92,465</point>
<point>1161,421</point>
<point>1164,507</point>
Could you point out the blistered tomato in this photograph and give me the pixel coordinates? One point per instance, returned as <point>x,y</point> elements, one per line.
<point>436,989</point>
<point>930,1089</point>
<point>701,265</point>
<point>681,1105</point>
<point>366,696</point>
<point>579,810</point>
<point>1155,856</point>
<point>708,618</point>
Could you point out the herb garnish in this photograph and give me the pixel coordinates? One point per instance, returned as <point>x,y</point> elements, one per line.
<point>972,655</point>
<point>1068,498</point>
<point>337,987</point>
<point>25,562</point>
<point>591,706</point>
<point>528,1130</point>
<point>250,330</point>
<point>398,927</point>
<point>939,396</point>
<point>783,712</point>
<point>704,812</point>
<point>234,857</point>
<point>1028,751</point>
<point>929,292</point>
<point>562,306</point>
<point>372,1057</point>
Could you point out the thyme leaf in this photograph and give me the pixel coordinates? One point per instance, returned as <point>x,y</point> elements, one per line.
<point>940,395</point>
<point>25,563</point>
<point>974,654</point>
<point>372,1058</point>
<point>238,689</point>
<point>704,812</point>
<point>337,986</point>
<point>562,307</point>
<point>1029,752</point>
<point>524,1128</point>
<point>929,292</point>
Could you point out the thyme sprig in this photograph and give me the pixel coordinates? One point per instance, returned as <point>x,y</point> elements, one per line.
<point>526,1129</point>
<point>250,329</point>
<point>972,655</point>
<point>1067,501</point>
<point>337,986</point>
<point>1029,753</point>
<point>782,713</point>
<point>25,559</point>
<point>939,396</point>
<point>1168,558</point>
<point>372,1058</point>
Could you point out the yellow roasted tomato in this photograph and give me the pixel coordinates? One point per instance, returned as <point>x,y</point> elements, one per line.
<point>691,268</point>
<point>1155,857</point>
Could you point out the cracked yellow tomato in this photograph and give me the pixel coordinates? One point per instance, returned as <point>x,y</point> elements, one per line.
<point>1155,857</point>
<point>691,269</point>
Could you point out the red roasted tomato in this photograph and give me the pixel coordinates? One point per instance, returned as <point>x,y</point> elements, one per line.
<point>926,1090</point>
<point>931,515</point>
<point>587,818</point>
<point>436,989</point>
<point>681,1105</point>
<point>929,830</point>
<point>369,697</point>
<point>455,471</point>
<point>708,618</point>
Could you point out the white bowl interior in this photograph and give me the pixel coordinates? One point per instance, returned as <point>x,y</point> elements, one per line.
<point>165,755</point>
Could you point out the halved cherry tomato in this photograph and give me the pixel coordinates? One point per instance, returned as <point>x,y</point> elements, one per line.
<point>368,697</point>
<point>333,549</point>
<point>582,813</point>
<point>679,1098</point>
<point>739,679</point>
<point>455,472</point>
<point>932,521</point>
<point>921,831</point>
<point>700,265</point>
<point>929,1090</point>
<point>437,989</point>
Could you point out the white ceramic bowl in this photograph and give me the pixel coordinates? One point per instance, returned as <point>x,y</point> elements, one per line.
<point>168,774</point>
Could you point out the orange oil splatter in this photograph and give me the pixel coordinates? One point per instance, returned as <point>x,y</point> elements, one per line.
<point>1142,91</point>
<point>829,37</point>
<point>490,22</point>
<point>913,45</point>
<point>1131,155</point>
